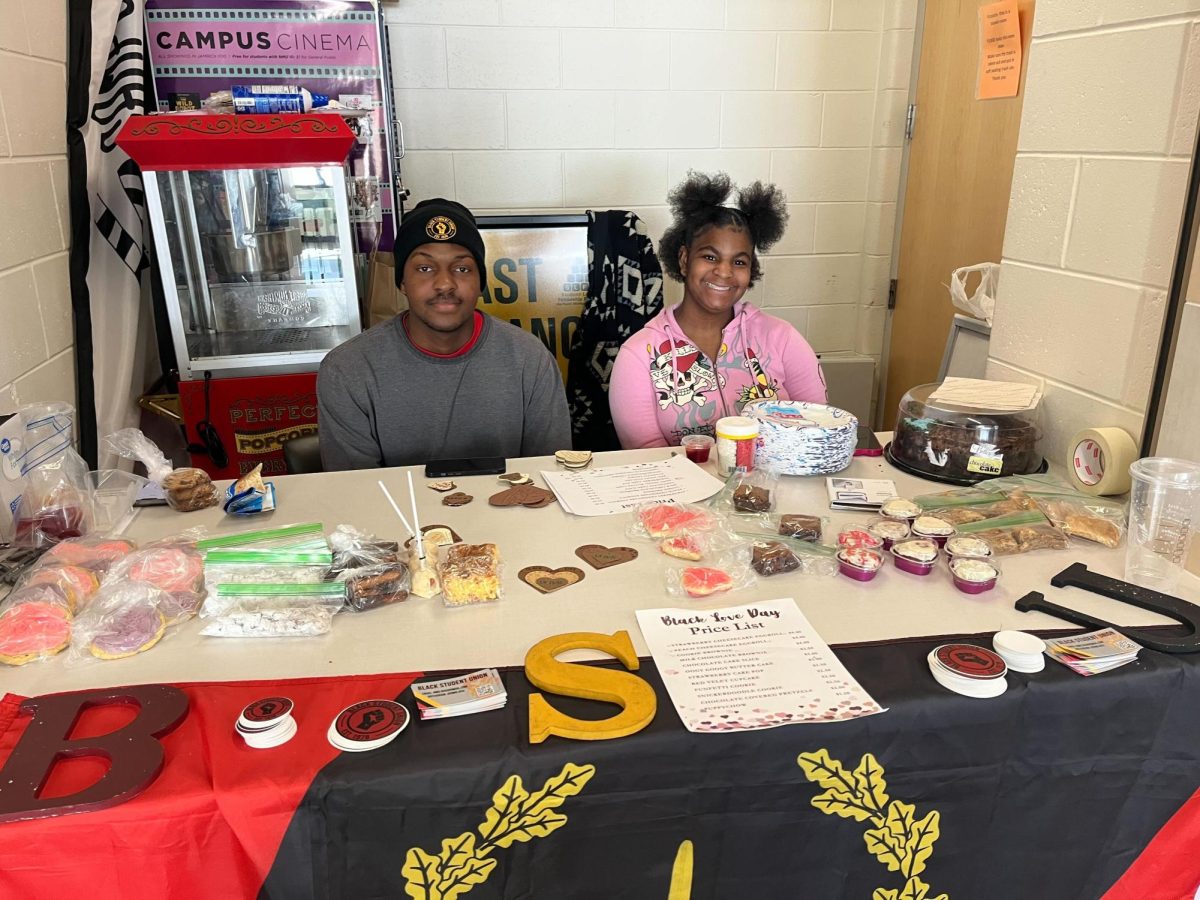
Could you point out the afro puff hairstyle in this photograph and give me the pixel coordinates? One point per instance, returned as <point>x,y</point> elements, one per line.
<point>698,204</point>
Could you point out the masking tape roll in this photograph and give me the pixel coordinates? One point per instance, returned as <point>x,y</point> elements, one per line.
<point>1100,460</point>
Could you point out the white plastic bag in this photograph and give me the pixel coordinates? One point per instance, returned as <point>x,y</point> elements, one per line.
<point>981,303</point>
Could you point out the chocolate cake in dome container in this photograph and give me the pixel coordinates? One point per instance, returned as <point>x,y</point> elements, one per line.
<point>963,445</point>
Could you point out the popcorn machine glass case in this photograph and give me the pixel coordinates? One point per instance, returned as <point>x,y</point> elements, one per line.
<point>252,231</point>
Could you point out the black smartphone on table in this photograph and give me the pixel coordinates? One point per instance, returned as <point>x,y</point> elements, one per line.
<point>868,444</point>
<point>479,465</point>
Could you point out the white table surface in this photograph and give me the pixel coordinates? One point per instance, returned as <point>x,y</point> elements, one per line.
<point>424,635</point>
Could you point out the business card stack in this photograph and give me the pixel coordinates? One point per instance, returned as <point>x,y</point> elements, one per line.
<point>461,695</point>
<point>1094,652</point>
<point>859,494</point>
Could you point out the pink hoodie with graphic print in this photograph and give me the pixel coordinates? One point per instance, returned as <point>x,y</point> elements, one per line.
<point>663,388</point>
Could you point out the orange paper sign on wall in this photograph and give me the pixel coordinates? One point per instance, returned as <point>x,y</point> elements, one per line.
<point>999,51</point>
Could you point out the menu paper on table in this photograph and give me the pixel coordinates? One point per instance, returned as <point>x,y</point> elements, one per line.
<point>744,668</point>
<point>620,489</point>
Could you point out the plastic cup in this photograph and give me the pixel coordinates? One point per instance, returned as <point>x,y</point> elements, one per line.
<point>697,447</point>
<point>1163,506</point>
<point>113,493</point>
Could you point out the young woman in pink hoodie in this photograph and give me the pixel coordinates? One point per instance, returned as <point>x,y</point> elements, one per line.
<point>707,357</point>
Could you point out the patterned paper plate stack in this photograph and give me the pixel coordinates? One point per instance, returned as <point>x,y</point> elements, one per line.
<point>798,438</point>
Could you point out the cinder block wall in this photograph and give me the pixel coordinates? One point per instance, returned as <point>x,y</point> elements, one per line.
<point>523,105</point>
<point>36,358</point>
<point>1107,131</point>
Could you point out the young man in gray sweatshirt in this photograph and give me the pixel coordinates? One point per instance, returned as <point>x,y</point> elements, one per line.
<point>442,380</point>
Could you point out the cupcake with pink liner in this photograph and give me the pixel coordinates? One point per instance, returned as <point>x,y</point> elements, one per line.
<point>968,546</point>
<point>933,528</point>
<point>974,576</point>
<point>900,508</point>
<point>889,531</point>
<point>859,563</point>
<point>917,556</point>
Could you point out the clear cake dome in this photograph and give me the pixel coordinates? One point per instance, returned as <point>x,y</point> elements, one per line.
<point>962,444</point>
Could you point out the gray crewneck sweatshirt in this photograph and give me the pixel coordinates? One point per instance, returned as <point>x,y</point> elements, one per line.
<point>382,402</point>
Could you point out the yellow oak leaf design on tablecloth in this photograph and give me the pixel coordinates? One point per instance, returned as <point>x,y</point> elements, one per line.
<point>897,838</point>
<point>514,816</point>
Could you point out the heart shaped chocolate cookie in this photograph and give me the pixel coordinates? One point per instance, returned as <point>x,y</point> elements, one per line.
<point>547,580</point>
<point>574,459</point>
<point>458,498</point>
<point>523,495</point>
<point>600,557</point>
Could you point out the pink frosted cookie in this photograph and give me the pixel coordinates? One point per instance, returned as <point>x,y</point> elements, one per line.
<point>685,546</point>
<point>174,569</point>
<point>128,631</point>
<point>97,554</point>
<point>51,594</point>
<point>670,519</point>
<point>32,631</point>
<point>700,581</point>
<point>77,583</point>
<point>178,571</point>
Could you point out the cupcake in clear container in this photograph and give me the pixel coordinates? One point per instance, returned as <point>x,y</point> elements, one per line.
<point>933,528</point>
<point>917,556</point>
<point>900,508</point>
<point>968,546</point>
<point>859,563</point>
<point>854,537</point>
<point>889,531</point>
<point>974,576</point>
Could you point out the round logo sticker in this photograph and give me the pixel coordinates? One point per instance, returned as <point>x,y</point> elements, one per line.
<point>971,661</point>
<point>441,228</point>
<point>267,709</point>
<point>370,720</point>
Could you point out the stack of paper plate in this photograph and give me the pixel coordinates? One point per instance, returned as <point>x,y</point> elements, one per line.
<point>798,438</point>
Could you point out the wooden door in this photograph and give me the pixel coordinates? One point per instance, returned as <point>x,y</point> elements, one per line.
<point>960,164</point>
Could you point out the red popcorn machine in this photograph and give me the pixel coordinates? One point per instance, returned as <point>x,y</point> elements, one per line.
<point>255,252</point>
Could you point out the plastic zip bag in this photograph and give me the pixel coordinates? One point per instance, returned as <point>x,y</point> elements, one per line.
<point>304,536</point>
<point>653,521</point>
<point>276,610</point>
<point>55,501</point>
<point>728,572</point>
<point>232,567</point>
<point>814,559</point>
<point>1017,533</point>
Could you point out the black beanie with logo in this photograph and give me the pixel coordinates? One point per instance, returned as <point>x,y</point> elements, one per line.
<point>438,221</point>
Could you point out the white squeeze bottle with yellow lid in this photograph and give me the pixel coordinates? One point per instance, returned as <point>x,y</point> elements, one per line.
<point>736,437</point>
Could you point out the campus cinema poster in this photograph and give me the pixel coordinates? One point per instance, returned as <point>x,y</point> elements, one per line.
<point>331,47</point>
<point>537,280</point>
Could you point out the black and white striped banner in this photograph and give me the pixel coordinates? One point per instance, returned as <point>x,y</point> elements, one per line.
<point>113,329</point>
